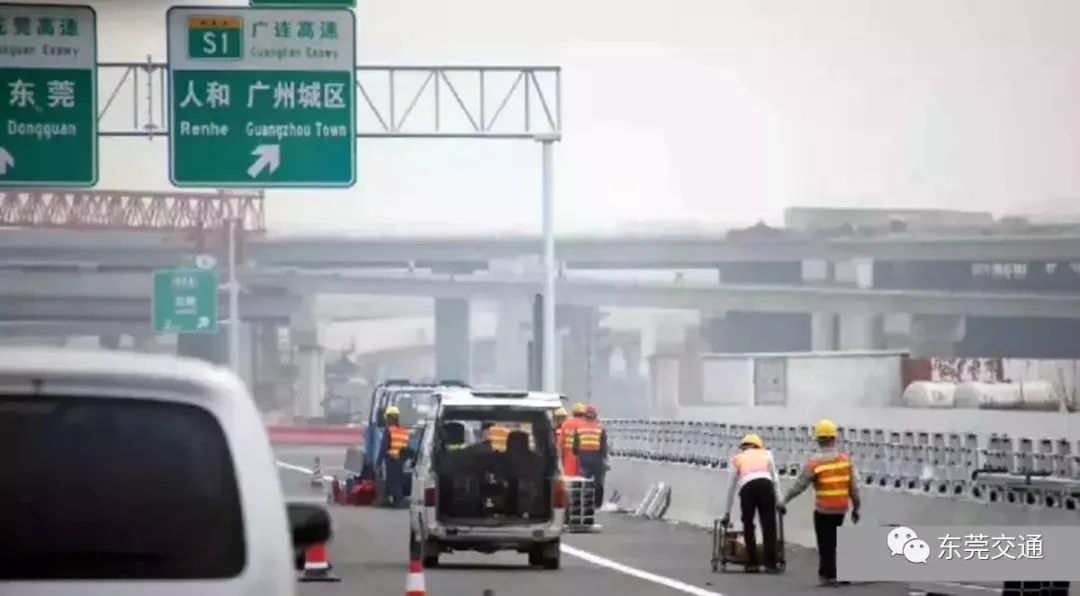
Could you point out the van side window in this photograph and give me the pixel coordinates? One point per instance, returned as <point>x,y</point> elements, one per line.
<point>116,489</point>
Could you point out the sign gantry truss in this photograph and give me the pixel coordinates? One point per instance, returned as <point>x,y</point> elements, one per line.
<point>479,102</point>
<point>170,211</point>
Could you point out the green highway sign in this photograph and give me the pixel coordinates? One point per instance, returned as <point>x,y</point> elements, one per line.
<point>48,81</point>
<point>262,97</point>
<point>303,3</point>
<point>185,300</point>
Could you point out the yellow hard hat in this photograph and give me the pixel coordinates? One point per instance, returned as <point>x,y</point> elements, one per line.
<point>560,413</point>
<point>392,411</point>
<point>753,439</point>
<point>825,429</point>
<point>579,408</point>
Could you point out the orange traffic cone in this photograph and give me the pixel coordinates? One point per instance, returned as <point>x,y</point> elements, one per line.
<point>317,567</point>
<point>414,583</point>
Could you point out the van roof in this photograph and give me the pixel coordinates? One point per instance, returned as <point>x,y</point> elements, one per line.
<point>24,364</point>
<point>540,400</point>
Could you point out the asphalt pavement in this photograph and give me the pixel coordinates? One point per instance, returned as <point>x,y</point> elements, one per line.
<point>629,557</point>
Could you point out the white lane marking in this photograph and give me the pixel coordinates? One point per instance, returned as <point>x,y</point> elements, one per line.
<point>667,582</point>
<point>301,469</point>
<point>674,584</point>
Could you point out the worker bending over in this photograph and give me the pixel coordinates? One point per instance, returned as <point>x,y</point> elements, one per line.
<point>754,478</point>
<point>590,447</point>
<point>392,455</point>
<point>833,476</point>
<point>571,466</point>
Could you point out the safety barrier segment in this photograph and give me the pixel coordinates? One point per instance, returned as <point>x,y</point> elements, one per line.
<point>1039,472</point>
<point>315,435</point>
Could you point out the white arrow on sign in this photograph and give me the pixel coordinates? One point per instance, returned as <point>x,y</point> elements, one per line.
<point>7,160</point>
<point>267,156</point>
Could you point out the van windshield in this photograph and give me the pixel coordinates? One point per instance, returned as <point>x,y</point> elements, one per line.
<point>116,489</point>
<point>414,405</point>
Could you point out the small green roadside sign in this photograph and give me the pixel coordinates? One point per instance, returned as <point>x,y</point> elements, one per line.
<point>48,82</point>
<point>185,300</point>
<point>262,97</point>
<point>303,3</point>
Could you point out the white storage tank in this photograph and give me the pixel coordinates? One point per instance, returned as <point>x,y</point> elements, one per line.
<point>1028,395</point>
<point>929,394</point>
<point>991,396</point>
<point>1039,395</point>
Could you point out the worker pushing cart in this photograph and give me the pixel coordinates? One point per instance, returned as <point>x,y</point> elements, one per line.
<point>754,478</point>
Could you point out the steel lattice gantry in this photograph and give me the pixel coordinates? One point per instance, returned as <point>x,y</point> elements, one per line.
<point>492,102</point>
<point>172,211</point>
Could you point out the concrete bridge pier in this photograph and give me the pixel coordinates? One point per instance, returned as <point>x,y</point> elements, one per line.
<point>110,341</point>
<point>453,341</point>
<point>305,335</point>
<point>512,331</point>
<point>937,335</point>
<point>212,348</point>
<point>857,331</point>
<point>578,351</point>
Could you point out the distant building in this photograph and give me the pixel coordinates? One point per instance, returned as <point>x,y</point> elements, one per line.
<point>820,218</point>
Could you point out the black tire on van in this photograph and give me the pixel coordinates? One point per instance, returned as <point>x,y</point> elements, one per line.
<point>551,555</point>
<point>431,553</point>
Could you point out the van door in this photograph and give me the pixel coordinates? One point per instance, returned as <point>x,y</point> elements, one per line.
<point>420,473</point>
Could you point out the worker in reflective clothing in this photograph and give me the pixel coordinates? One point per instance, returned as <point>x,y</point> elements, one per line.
<point>831,473</point>
<point>560,416</point>
<point>571,466</point>
<point>453,436</point>
<point>590,447</point>
<point>392,455</point>
<point>754,478</point>
<point>496,434</point>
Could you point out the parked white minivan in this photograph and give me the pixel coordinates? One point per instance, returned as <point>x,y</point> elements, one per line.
<point>129,474</point>
<point>471,493</point>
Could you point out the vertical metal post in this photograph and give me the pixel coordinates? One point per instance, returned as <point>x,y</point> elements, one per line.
<point>546,143</point>
<point>234,301</point>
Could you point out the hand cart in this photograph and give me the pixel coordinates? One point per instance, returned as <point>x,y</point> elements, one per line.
<point>728,546</point>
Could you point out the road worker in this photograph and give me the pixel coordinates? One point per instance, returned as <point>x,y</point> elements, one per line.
<point>392,455</point>
<point>833,477</point>
<point>754,478</point>
<point>560,416</point>
<point>495,434</point>
<point>571,466</point>
<point>590,447</point>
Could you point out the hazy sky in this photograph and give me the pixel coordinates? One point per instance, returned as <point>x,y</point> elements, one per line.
<point>703,110</point>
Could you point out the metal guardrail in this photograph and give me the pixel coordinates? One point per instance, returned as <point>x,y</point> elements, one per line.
<point>1021,471</point>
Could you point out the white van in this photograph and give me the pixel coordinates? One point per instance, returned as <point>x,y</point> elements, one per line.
<point>131,474</point>
<point>469,496</point>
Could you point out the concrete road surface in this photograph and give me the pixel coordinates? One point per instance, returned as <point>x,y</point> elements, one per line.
<point>629,558</point>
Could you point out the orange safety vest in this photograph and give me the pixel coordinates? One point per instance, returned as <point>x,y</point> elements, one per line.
<point>559,440</point>
<point>570,461</point>
<point>589,435</point>
<point>751,461</point>
<point>832,481</point>
<point>497,436</point>
<point>399,439</point>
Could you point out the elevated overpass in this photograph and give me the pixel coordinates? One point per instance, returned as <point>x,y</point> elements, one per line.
<point>19,248</point>
<point>275,293</point>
